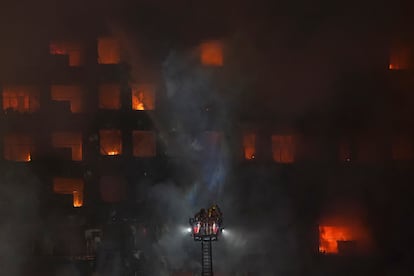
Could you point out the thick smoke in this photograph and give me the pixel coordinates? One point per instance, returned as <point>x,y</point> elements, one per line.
<point>192,99</point>
<point>201,157</point>
<point>292,63</point>
<point>195,99</point>
<point>19,204</point>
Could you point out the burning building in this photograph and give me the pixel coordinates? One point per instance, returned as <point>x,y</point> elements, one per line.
<point>142,97</point>
<point>18,147</point>
<point>68,186</point>
<point>109,96</point>
<point>110,142</point>
<point>109,50</point>
<point>249,146</point>
<point>283,148</point>
<point>99,139</point>
<point>20,98</point>
<point>344,236</point>
<point>71,49</point>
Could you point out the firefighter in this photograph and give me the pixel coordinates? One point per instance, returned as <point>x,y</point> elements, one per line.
<point>218,211</point>
<point>200,216</point>
<point>214,213</point>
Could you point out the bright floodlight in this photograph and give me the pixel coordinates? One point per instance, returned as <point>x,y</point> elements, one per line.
<point>188,230</point>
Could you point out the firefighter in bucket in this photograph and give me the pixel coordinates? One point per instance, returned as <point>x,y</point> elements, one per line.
<point>206,222</point>
<point>214,219</point>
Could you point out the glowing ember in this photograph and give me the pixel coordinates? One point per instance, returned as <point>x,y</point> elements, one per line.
<point>113,153</point>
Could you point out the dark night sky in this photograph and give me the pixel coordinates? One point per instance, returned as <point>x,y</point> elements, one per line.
<point>297,48</point>
<point>191,17</point>
<point>267,24</point>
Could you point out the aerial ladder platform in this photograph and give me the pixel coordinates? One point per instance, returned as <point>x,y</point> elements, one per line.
<point>205,228</point>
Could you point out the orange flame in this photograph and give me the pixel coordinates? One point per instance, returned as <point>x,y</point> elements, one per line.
<point>77,198</point>
<point>399,58</point>
<point>18,147</point>
<point>70,48</point>
<point>70,186</point>
<point>330,235</point>
<point>142,97</point>
<point>249,144</point>
<point>110,141</point>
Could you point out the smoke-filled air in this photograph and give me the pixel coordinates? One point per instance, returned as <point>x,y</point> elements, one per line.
<point>227,138</point>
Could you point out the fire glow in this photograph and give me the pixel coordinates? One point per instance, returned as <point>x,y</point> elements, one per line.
<point>109,96</point>
<point>212,53</point>
<point>68,93</point>
<point>283,148</point>
<point>72,49</point>
<point>343,239</point>
<point>110,141</point>
<point>70,140</point>
<point>18,147</point>
<point>142,97</point>
<point>109,50</point>
<point>330,235</point>
<point>70,186</point>
<point>249,144</point>
<point>399,57</point>
<point>143,143</point>
<point>20,98</point>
